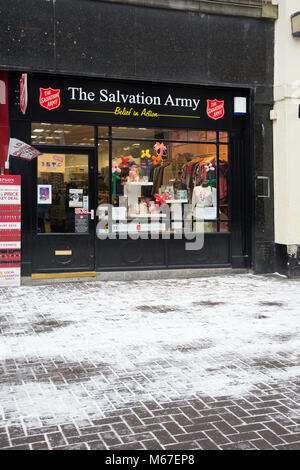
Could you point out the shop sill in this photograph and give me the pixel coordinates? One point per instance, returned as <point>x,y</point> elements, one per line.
<point>245,8</point>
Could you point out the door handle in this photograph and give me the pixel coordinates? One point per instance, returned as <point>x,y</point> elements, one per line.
<point>92,212</point>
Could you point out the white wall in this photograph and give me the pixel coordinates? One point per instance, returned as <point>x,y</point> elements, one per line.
<point>287,127</point>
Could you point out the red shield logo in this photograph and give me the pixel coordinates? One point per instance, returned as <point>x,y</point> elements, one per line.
<point>49,98</point>
<point>23,93</point>
<point>215,109</point>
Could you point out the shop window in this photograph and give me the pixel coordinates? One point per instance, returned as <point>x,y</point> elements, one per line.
<point>149,174</point>
<point>62,187</point>
<point>62,134</point>
<point>223,182</point>
<point>103,172</point>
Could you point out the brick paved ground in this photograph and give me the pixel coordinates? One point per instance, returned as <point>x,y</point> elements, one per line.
<point>88,366</point>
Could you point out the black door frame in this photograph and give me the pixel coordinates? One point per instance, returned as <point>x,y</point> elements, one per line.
<point>65,240</point>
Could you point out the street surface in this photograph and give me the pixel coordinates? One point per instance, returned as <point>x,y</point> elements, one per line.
<point>208,363</point>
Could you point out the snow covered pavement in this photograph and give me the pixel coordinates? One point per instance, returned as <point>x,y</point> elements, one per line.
<point>209,363</point>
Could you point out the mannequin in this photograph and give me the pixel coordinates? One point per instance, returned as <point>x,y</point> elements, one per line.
<point>132,192</point>
<point>203,196</point>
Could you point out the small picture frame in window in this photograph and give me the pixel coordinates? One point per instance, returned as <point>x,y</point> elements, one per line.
<point>44,194</point>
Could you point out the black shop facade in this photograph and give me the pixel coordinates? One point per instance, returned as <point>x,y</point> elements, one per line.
<point>123,168</point>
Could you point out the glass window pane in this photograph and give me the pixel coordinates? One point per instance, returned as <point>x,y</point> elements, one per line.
<point>103,131</point>
<point>196,135</point>
<point>223,136</point>
<point>224,227</point>
<point>61,134</point>
<point>209,227</point>
<point>223,182</point>
<point>62,187</point>
<point>211,136</point>
<point>134,165</point>
<point>166,134</point>
<point>103,172</point>
<point>144,133</point>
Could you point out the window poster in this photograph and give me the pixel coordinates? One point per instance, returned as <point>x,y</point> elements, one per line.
<point>75,197</point>
<point>44,194</point>
<point>51,163</point>
<point>81,221</point>
<point>210,213</point>
<point>85,202</point>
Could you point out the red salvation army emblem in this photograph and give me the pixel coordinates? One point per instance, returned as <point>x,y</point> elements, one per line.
<point>23,93</point>
<point>49,98</point>
<point>215,109</point>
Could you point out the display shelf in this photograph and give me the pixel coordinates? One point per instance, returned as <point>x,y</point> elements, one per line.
<point>176,201</point>
<point>140,183</point>
<point>152,216</point>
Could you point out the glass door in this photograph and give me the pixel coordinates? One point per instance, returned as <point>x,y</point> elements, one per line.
<point>64,222</point>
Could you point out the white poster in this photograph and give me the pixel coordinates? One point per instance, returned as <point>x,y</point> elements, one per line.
<point>10,194</point>
<point>210,213</point>
<point>10,276</point>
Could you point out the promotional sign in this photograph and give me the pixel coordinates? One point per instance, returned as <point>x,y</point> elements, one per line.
<point>10,230</point>
<point>81,221</point>
<point>51,163</point>
<point>17,148</point>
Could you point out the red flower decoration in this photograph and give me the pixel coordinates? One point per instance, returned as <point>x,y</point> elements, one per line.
<point>160,200</point>
<point>124,161</point>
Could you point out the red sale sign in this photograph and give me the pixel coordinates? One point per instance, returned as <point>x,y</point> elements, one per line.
<point>10,230</point>
<point>17,148</point>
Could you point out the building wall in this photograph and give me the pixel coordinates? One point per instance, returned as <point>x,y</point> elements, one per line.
<point>216,43</point>
<point>287,127</point>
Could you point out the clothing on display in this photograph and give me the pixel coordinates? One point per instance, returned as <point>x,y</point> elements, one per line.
<point>204,197</point>
<point>179,178</point>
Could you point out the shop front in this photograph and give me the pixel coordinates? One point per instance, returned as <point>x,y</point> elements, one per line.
<point>125,168</point>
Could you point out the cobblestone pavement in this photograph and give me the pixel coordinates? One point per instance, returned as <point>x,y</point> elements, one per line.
<point>211,363</point>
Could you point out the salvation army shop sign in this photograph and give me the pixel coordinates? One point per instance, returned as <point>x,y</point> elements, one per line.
<point>77,100</point>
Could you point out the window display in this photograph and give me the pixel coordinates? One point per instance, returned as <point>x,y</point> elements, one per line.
<point>174,171</point>
<point>158,180</point>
